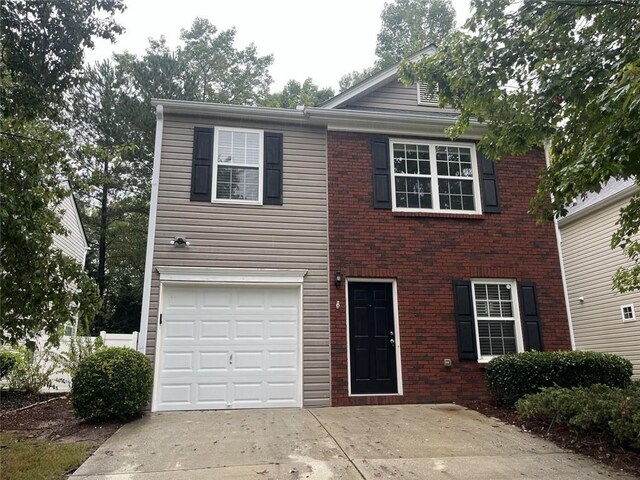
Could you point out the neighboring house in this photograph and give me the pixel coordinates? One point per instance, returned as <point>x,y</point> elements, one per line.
<point>602,319</point>
<point>343,254</point>
<point>74,243</point>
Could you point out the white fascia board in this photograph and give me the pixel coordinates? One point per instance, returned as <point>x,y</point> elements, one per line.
<point>374,82</point>
<point>241,276</point>
<point>151,232</point>
<point>401,123</point>
<point>594,207</point>
<point>185,107</point>
<point>432,123</point>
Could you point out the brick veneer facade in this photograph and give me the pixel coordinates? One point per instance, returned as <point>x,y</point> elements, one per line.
<point>425,253</point>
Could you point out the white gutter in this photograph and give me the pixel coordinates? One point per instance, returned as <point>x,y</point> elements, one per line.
<point>610,200</point>
<point>408,123</point>
<point>151,232</point>
<point>547,156</point>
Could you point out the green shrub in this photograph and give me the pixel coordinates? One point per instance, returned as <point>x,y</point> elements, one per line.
<point>511,377</point>
<point>625,423</point>
<point>111,384</point>
<point>33,370</point>
<point>598,409</point>
<point>7,362</point>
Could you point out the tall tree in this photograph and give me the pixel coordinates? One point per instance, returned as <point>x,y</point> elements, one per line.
<point>41,59</point>
<point>218,72</point>
<point>116,176</point>
<point>564,71</point>
<point>407,27</point>
<point>410,25</point>
<point>295,93</point>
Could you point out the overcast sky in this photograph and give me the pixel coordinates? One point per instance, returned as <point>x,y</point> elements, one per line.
<point>322,39</point>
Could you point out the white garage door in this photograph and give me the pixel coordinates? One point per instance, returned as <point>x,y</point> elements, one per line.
<point>228,347</point>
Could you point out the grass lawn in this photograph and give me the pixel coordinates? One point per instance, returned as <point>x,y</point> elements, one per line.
<point>28,459</point>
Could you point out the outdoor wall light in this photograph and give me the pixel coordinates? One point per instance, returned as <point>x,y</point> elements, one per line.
<point>338,279</point>
<point>179,242</point>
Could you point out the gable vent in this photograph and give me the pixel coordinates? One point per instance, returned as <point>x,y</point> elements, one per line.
<point>427,97</point>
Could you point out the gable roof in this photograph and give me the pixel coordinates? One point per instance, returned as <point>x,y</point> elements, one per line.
<point>374,82</point>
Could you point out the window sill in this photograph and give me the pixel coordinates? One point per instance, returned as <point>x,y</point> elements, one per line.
<point>457,216</point>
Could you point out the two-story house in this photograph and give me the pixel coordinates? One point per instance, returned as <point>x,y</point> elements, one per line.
<point>344,254</point>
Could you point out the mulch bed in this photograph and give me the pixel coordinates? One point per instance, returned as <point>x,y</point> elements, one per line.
<point>598,447</point>
<point>49,416</point>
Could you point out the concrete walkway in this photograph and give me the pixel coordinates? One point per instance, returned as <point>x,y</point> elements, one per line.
<point>408,442</point>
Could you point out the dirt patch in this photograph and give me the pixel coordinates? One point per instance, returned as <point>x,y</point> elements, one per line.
<point>50,416</point>
<point>596,446</point>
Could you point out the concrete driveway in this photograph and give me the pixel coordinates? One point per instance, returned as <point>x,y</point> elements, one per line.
<point>409,441</point>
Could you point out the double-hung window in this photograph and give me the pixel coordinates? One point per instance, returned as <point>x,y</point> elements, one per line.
<point>238,158</point>
<point>434,176</point>
<point>498,329</point>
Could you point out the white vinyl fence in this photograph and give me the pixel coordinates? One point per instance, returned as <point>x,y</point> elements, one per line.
<point>62,381</point>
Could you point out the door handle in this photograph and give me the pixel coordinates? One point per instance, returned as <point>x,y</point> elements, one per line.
<point>231,359</point>
<point>392,341</point>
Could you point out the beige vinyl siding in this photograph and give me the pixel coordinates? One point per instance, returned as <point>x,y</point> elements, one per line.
<point>589,264</point>
<point>394,96</point>
<point>290,236</point>
<point>72,244</point>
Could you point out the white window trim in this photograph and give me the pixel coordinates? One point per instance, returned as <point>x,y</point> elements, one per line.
<point>396,322</point>
<point>633,312</point>
<point>216,133</point>
<point>435,196</point>
<point>516,314</point>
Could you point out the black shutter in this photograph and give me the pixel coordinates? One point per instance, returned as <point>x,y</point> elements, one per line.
<point>201,168</point>
<point>465,325</point>
<point>530,317</point>
<point>489,183</point>
<point>272,189</point>
<point>381,173</point>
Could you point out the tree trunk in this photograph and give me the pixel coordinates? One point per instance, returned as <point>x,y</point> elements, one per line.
<point>102,241</point>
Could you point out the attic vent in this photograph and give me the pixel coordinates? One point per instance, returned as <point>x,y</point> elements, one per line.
<point>427,97</point>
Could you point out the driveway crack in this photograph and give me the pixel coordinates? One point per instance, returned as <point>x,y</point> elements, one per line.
<point>337,443</point>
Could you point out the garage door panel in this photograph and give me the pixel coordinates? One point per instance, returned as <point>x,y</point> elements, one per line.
<point>229,348</point>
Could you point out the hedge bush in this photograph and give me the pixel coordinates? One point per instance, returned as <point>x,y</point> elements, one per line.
<point>111,384</point>
<point>598,409</point>
<point>7,362</point>
<point>511,377</point>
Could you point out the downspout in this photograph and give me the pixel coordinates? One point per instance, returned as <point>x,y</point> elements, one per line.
<point>547,156</point>
<point>151,233</point>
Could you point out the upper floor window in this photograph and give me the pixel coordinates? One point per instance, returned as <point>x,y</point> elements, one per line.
<point>434,176</point>
<point>237,173</point>
<point>496,313</point>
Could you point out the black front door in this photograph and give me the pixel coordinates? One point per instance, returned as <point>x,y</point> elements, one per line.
<point>372,338</point>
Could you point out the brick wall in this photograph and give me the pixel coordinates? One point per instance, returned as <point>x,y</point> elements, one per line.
<point>425,253</point>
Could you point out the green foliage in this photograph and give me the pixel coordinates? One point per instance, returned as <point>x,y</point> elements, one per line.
<point>78,349</point>
<point>33,370</point>
<point>113,383</point>
<point>217,71</point>
<point>408,26</point>
<point>598,409</point>
<point>42,50</point>
<point>42,289</point>
<point>511,377</point>
<point>294,93</point>
<point>8,360</point>
<point>563,71</point>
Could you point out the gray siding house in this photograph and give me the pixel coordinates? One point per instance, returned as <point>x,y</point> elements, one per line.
<point>602,319</point>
